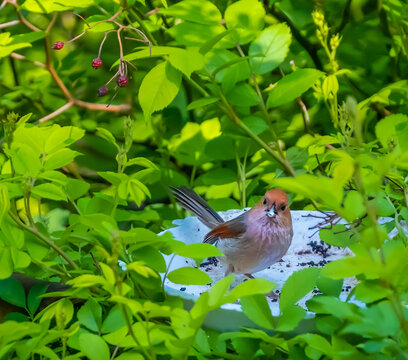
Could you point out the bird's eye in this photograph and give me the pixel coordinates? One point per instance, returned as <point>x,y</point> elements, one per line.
<point>264,202</point>
<point>283,207</point>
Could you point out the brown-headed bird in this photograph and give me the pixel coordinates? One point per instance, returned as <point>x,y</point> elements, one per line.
<point>253,240</point>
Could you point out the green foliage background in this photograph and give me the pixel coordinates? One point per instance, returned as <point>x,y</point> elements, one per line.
<point>229,98</point>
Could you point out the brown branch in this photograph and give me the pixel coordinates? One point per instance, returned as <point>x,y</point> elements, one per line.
<point>22,57</point>
<point>56,112</point>
<point>10,23</point>
<point>102,107</point>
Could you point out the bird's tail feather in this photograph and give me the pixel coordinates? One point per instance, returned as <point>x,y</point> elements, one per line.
<point>193,202</point>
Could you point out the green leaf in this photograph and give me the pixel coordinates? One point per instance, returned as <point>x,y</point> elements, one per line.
<point>50,6</point>
<point>25,161</point>
<point>191,34</point>
<point>7,45</point>
<point>199,251</point>
<point>49,191</point>
<point>354,206</point>
<point>337,235</point>
<point>207,46</point>
<point>6,268</point>
<point>316,342</point>
<point>94,347</point>
<point>187,61</point>
<point>219,290</point>
<point>113,177</point>
<point>270,48</point>
<point>189,276</point>
<point>198,11</point>
<point>4,202</point>
<point>107,135</point>
<point>297,286</point>
<point>141,161</point>
<point>28,38</point>
<point>159,87</point>
<point>138,191</point>
<point>76,188</point>
<point>12,291</point>
<point>33,297</point>
<point>251,287</point>
<point>59,159</point>
<point>291,318</point>
<point>292,86</point>
<point>90,315</point>
<point>256,308</point>
<point>200,103</point>
<point>247,16</point>
<point>243,95</point>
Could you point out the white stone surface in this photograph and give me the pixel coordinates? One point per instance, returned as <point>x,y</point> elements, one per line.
<point>299,256</point>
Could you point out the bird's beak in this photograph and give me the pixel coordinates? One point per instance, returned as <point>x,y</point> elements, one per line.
<point>271,213</point>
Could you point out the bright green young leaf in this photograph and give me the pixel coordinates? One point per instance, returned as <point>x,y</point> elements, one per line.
<point>187,61</point>
<point>199,251</point>
<point>354,206</point>
<point>198,11</point>
<point>201,103</point>
<point>107,135</point>
<point>137,191</point>
<point>291,318</point>
<point>297,286</point>
<point>159,87</point>
<point>337,235</point>
<point>25,162</point>
<point>256,308</point>
<point>251,287</point>
<point>270,48</point>
<point>189,276</point>
<point>49,191</point>
<point>292,86</point>
<point>90,315</point>
<point>219,290</point>
<point>191,34</point>
<point>94,347</point>
<point>141,161</point>
<point>7,45</point>
<point>316,342</point>
<point>49,6</point>
<point>247,17</point>
<point>6,262</point>
<point>4,202</point>
<point>59,159</point>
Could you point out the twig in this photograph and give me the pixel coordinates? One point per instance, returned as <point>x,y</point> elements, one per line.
<point>10,23</point>
<point>56,112</point>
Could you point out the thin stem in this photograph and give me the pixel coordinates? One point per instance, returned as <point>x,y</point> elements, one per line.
<point>10,23</point>
<point>56,112</point>
<point>51,24</point>
<point>42,237</point>
<point>22,57</point>
<point>143,26</point>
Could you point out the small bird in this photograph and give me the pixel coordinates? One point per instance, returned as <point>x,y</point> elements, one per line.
<point>253,240</point>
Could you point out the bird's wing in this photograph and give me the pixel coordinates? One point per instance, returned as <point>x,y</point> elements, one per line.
<point>231,229</point>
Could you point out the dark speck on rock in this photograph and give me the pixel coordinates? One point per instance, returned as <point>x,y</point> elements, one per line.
<point>274,300</point>
<point>281,271</point>
<point>277,291</point>
<point>281,260</point>
<point>182,289</point>
<point>287,265</point>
